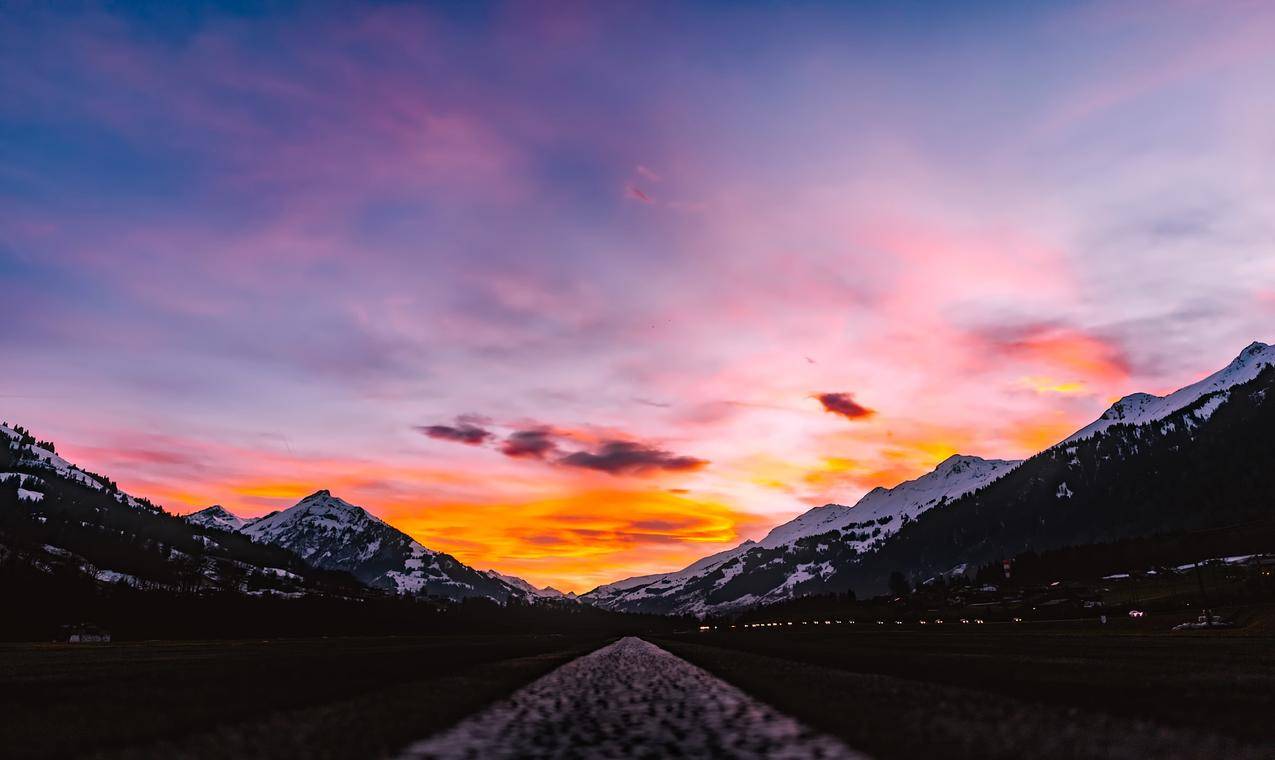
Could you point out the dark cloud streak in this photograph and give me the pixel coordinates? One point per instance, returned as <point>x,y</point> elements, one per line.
<point>843,404</point>
<point>533,443</point>
<point>631,458</point>
<point>461,432</point>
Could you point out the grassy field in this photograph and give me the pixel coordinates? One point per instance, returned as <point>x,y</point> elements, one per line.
<point>1010,691</point>
<point>317,698</point>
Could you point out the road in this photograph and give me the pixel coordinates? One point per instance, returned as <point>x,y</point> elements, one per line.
<point>631,699</point>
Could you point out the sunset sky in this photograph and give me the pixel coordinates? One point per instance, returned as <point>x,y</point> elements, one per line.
<point>583,291</point>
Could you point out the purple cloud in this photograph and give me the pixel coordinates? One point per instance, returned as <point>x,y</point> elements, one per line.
<point>534,443</point>
<point>844,404</point>
<point>630,458</point>
<point>463,431</point>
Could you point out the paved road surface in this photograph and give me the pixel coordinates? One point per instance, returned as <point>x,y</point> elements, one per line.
<point>629,700</point>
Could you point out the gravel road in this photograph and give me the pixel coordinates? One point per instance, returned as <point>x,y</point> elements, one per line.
<point>629,700</point>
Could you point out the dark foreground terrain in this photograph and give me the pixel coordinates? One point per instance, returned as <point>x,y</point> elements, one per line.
<point>313,698</point>
<point>1127,690</point>
<point>1031,690</point>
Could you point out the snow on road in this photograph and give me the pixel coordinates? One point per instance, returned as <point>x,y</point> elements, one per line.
<point>629,699</point>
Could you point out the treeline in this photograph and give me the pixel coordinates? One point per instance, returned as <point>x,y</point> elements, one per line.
<point>1133,555</point>
<point>25,438</point>
<point>42,603</point>
<point>153,546</point>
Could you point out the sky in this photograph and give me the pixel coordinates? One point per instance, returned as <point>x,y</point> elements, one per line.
<point>586,291</point>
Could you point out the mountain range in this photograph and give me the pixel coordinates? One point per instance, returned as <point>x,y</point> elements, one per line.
<point>58,517</point>
<point>1201,457</point>
<point>330,533</point>
<point>61,520</point>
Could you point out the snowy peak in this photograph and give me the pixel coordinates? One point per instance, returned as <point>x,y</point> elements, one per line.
<point>329,532</point>
<point>878,509</point>
<point>323,530</point>
<point>320,512</point>
<point>548,592</point>
<point>858,529</point>
<point>1253,352</point>
<point>810,523</point>
<point>218,518</point>
<point>1141,408</point>
<point>954,477</point>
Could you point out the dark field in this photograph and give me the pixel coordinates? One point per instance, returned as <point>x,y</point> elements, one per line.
<point>1030,690</point>
<point>325,698</point>
<point>996,690</point>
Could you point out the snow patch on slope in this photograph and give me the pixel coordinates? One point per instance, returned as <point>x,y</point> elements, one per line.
<point>887,508</point>
<point>548,592</point>
<point>217,517</point>
<point>871,520</point>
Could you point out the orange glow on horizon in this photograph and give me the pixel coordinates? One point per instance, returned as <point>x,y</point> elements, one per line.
<point>1042,384</point>
<point>578,541</point>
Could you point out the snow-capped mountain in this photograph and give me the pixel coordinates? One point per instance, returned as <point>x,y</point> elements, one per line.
<point>613,595</point>
<point>270,554</point>
<point>332,534</point>
<point>548,592</point>
<point>63,518</point>
<point>1208,464</point>
<point>888,508</point>
<point>859,528</point>
<point>1150,464</point>
<point>604,595</point>
<point>217,517</point>
<point>1142,408</point>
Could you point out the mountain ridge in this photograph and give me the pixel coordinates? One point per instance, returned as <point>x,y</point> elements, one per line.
<point>873,519</point>
<point>1141,408</point>
<point>819,551</point>
<point>333,534</point>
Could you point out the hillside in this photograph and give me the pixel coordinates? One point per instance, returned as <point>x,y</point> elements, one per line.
<point>1200,457</point>
<point>59,519</point>
<point>330,533</point>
